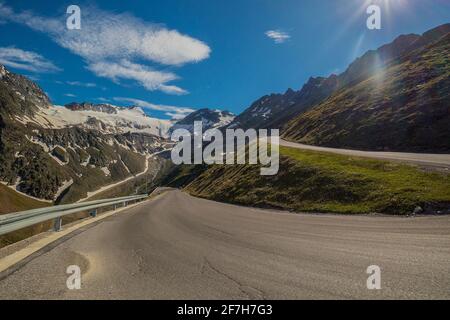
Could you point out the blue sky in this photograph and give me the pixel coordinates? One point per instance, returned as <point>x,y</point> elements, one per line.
<point>174,56</point>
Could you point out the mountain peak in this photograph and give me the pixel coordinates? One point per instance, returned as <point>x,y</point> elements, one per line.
<point>3,71</point>
<point>210,119</point>
<point>136,109</point>
<point>29,96</point>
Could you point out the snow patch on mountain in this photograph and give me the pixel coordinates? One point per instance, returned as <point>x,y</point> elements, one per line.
<point>38,142</point>
<point>123,120</point>
<point>106,171</point>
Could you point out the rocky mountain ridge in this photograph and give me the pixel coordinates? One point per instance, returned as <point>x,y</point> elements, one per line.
<point>281,110</point>
<point>403,105</point>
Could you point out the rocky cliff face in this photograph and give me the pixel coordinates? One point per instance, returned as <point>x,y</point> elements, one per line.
<point>19,95</point>
<point>85,106</point>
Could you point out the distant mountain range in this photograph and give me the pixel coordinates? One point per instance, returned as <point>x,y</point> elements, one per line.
<point>60,153</point>
<point>392,98</point>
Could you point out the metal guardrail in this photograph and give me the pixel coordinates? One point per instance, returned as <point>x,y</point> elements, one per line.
<point>19,220</point>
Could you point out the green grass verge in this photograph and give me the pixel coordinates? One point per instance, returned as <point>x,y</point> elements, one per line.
<point>392,187</point>
<point>310,181</point>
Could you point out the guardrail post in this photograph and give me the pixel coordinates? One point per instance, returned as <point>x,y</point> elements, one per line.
<point>115,207</point>
<point>57,224</point>
<point>93,213</point>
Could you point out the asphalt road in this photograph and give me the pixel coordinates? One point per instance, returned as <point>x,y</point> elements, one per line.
<point>178,247</point>
<point>439,161</point>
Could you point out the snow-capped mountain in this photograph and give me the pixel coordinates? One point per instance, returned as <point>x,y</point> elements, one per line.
<point>209,118</point>
<point>105,118</point>
<point>65,153</point>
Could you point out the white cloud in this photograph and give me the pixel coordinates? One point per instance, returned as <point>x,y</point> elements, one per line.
<point>25,60</point>
<point>171,111</point>
<point>108,39</point>
<point>70,95</point>
<point>145,76</point>
<point>81,84</point>
<point>106,35</point>
<point>278,36</point>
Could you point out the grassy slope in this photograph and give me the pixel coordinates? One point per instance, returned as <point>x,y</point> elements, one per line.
<point>404,106</point>
<point>11,201</point>
<point>320,182</point>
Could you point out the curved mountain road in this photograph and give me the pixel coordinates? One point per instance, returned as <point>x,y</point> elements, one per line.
<point>438,161</point>
<point>180,247</point>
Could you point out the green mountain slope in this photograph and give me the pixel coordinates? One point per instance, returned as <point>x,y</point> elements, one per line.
<point>394,97</point>
<point>12,201</point>
<point>403,106</point>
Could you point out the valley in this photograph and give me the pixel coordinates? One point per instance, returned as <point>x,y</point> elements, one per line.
<point>225,152</point>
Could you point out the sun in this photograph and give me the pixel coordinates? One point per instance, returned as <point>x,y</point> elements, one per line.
<point>390,8</point>
<point>388,5</point>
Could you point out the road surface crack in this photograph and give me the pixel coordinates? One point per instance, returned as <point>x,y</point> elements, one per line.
<point>140,262</point>
<point>249,291</point>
